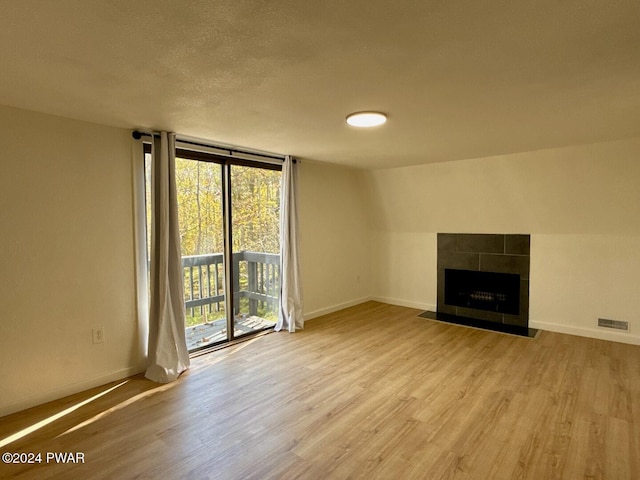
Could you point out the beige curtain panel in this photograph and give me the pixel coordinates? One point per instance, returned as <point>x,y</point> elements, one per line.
<point>290,316</point>
<point>168,354</point>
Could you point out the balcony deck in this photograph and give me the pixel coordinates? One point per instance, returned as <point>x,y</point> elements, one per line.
<point>210,333</point>
<point>256,288</point>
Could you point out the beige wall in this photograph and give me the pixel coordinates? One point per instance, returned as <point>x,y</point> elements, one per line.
<point>66,257</point>
<point>581,206</point>
<point>335,238</point>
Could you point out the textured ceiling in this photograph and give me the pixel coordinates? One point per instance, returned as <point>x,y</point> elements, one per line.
<point>458,79</point>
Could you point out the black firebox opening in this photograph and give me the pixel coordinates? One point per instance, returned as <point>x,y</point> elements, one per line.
<point>495,292</point>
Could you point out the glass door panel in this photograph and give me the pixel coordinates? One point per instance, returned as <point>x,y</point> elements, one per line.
<point>255,233</point>
<point>199,190</point>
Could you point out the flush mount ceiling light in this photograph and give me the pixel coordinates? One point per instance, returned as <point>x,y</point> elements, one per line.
<point>366,119</point>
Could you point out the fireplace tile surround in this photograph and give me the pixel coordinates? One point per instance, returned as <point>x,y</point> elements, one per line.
<point>499,253</point>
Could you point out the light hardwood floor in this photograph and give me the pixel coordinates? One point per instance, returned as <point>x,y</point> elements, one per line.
<point>372,391</point>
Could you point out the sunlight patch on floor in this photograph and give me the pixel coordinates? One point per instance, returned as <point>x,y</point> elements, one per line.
<point>43,423</point>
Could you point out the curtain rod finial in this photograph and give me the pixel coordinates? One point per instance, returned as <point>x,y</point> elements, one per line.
<point>136,134</point>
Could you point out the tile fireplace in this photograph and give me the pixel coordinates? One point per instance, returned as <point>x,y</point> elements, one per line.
<point>484,277</point>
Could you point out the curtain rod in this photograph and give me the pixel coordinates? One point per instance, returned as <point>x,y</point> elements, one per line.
<point>138,135</point>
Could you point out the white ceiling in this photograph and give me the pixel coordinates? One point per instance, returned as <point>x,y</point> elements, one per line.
<point>458,79</point>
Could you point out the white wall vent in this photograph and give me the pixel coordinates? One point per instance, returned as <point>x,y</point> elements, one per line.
<point>615,324</point>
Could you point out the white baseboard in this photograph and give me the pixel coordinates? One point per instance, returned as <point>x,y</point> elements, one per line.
<point>66,390</point>
<point>334,308</point>
<point>598,333</point>
<point>405,303</point>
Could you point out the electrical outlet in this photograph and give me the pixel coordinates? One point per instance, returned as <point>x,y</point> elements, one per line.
<point>98,335</point>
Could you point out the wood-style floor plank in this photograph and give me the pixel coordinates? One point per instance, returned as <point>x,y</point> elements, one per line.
<point>372,391</point>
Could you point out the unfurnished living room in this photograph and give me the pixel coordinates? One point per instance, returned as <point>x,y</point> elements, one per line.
<point>211,267</point>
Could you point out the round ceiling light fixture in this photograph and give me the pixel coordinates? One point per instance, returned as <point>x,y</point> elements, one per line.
<point>366,119</point>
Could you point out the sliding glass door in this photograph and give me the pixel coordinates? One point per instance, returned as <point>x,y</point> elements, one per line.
<point>200,215</point>
<point>226,205</point>
<point>255,220</point>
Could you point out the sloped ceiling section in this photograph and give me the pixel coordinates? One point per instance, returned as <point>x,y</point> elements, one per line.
<point>458,79</point>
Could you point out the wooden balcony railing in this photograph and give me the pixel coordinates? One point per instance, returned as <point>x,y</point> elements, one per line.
<point>257,279</point>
